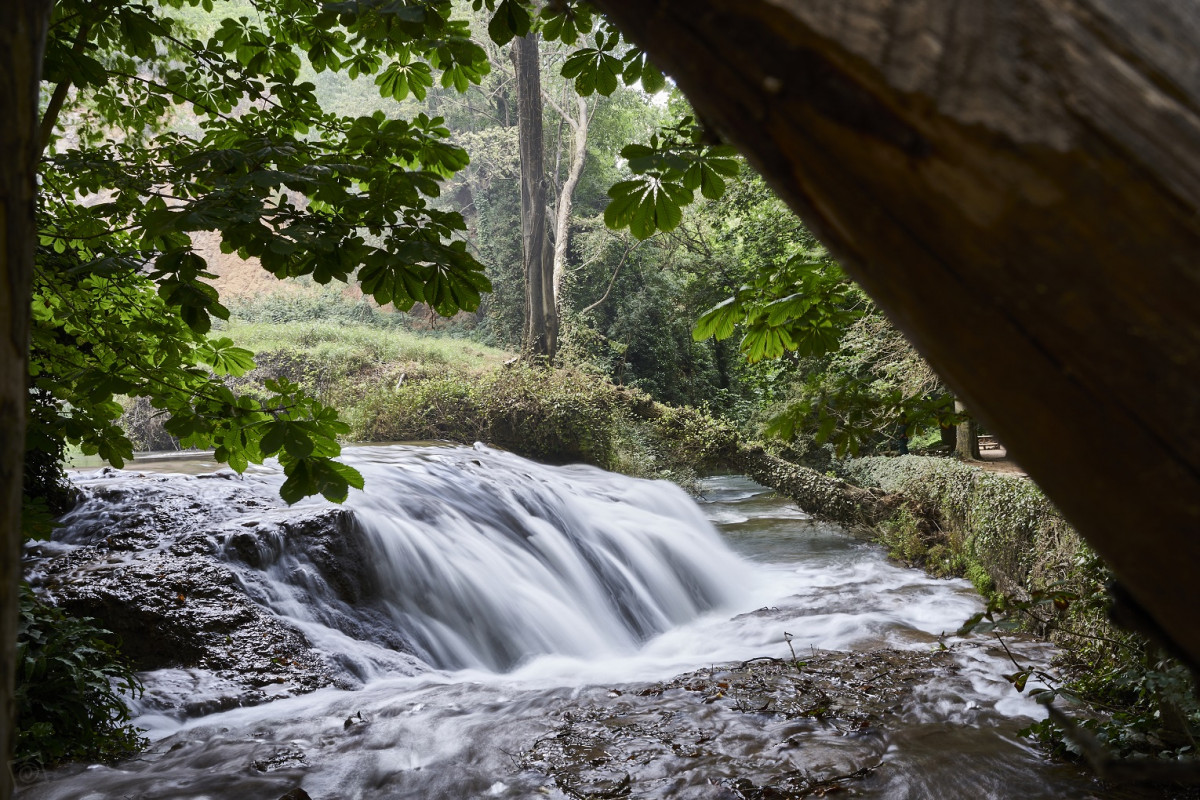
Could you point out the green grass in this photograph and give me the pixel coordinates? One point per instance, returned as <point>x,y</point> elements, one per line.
<point>393,384</point>
<point>357,347</point>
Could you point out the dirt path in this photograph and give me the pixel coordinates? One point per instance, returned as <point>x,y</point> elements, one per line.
<point>997,460</point>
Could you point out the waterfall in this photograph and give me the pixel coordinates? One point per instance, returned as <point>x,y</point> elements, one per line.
<point>482,559</point>
<point>557,608</point>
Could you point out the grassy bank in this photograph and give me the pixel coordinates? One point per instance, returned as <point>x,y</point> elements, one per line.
<point>340,362</point>
<point>1002,533</point>
<point>392,384</point>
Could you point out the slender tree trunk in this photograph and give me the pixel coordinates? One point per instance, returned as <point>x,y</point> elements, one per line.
<point>22,40</point>
<point>949,437</point>
<point>966,439</point>
<point>541,314</point>
<point>566,197</point>
<point>59,95</point>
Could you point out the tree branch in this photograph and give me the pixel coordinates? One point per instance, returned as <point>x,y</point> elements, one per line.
<point>54,107</point>
<point>616,272</point>
<point>574,123</point>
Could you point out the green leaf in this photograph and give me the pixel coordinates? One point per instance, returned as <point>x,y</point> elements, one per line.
<point>719,321</point>
<point>323,476</point>
<point>297,441</point>
<point>632,152</point>
<point>509,20</point>
<point>225,358</point>
<point>653,81</point>
<point>606,75</point>
<point>668,212</point>
<point>712,185</point>
<point>273,440</point>
<point>576,63</point>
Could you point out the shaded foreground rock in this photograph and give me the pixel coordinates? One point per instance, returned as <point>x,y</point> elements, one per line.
<point>173,566</point>
<point>830,714</point>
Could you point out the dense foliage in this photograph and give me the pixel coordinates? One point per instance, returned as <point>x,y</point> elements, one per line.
<point>70,686</point>
<point>122,305</point>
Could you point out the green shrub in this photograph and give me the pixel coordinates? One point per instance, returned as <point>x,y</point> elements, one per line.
<point>46,493</point>
<point>70,680</point>
<point>556,416</point>
<point>902,538</point>
<point>692,438</point>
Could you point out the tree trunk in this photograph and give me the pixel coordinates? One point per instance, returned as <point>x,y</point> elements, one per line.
<point>721,447</point>
<point>949,437</point>
<point>566,197</point>
<point>541,315</point>
<point>1035,161</point>
<point>22,40</point>
<point>966,437</point>
<point>831,498</point>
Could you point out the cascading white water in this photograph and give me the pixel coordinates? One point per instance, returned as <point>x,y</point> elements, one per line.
<point>484,559</point>
<point>543,596</point>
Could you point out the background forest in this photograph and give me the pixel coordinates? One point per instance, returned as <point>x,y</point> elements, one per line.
<point>627,306</point>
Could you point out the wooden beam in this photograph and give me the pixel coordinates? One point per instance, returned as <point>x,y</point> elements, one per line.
<point>22,39</point>
<point>1017,183</point>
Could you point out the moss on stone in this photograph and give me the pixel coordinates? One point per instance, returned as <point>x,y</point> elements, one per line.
<point>998,531</point>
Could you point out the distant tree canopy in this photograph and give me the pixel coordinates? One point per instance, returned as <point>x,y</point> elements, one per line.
<point>156,131</point>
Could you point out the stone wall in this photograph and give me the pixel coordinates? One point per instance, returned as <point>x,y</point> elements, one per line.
<point>999,530</point>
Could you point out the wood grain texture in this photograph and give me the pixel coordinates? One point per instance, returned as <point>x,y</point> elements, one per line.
<point>1017,183</point>
<point>22,39</point>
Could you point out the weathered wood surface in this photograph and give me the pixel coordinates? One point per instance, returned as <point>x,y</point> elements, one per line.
<point>1017,183</point>
<point>22,37</point>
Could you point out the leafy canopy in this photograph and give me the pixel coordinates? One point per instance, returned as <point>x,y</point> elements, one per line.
<point>157,137</point>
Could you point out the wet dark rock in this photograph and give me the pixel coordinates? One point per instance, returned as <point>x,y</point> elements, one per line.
<point>829,716</point>
<point>326,537</point>
<point>296,794</point>
<point>185,611</point>
<point>179,581</point>
<point>284,758</point>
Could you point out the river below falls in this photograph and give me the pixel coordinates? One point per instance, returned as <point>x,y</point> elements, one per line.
<point>606,716</point>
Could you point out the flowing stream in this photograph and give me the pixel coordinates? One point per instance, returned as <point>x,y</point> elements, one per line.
<point>514,615</point>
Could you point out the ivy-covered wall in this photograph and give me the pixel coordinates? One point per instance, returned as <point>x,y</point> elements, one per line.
<point>998,530</point>
<point>1002,533</point>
